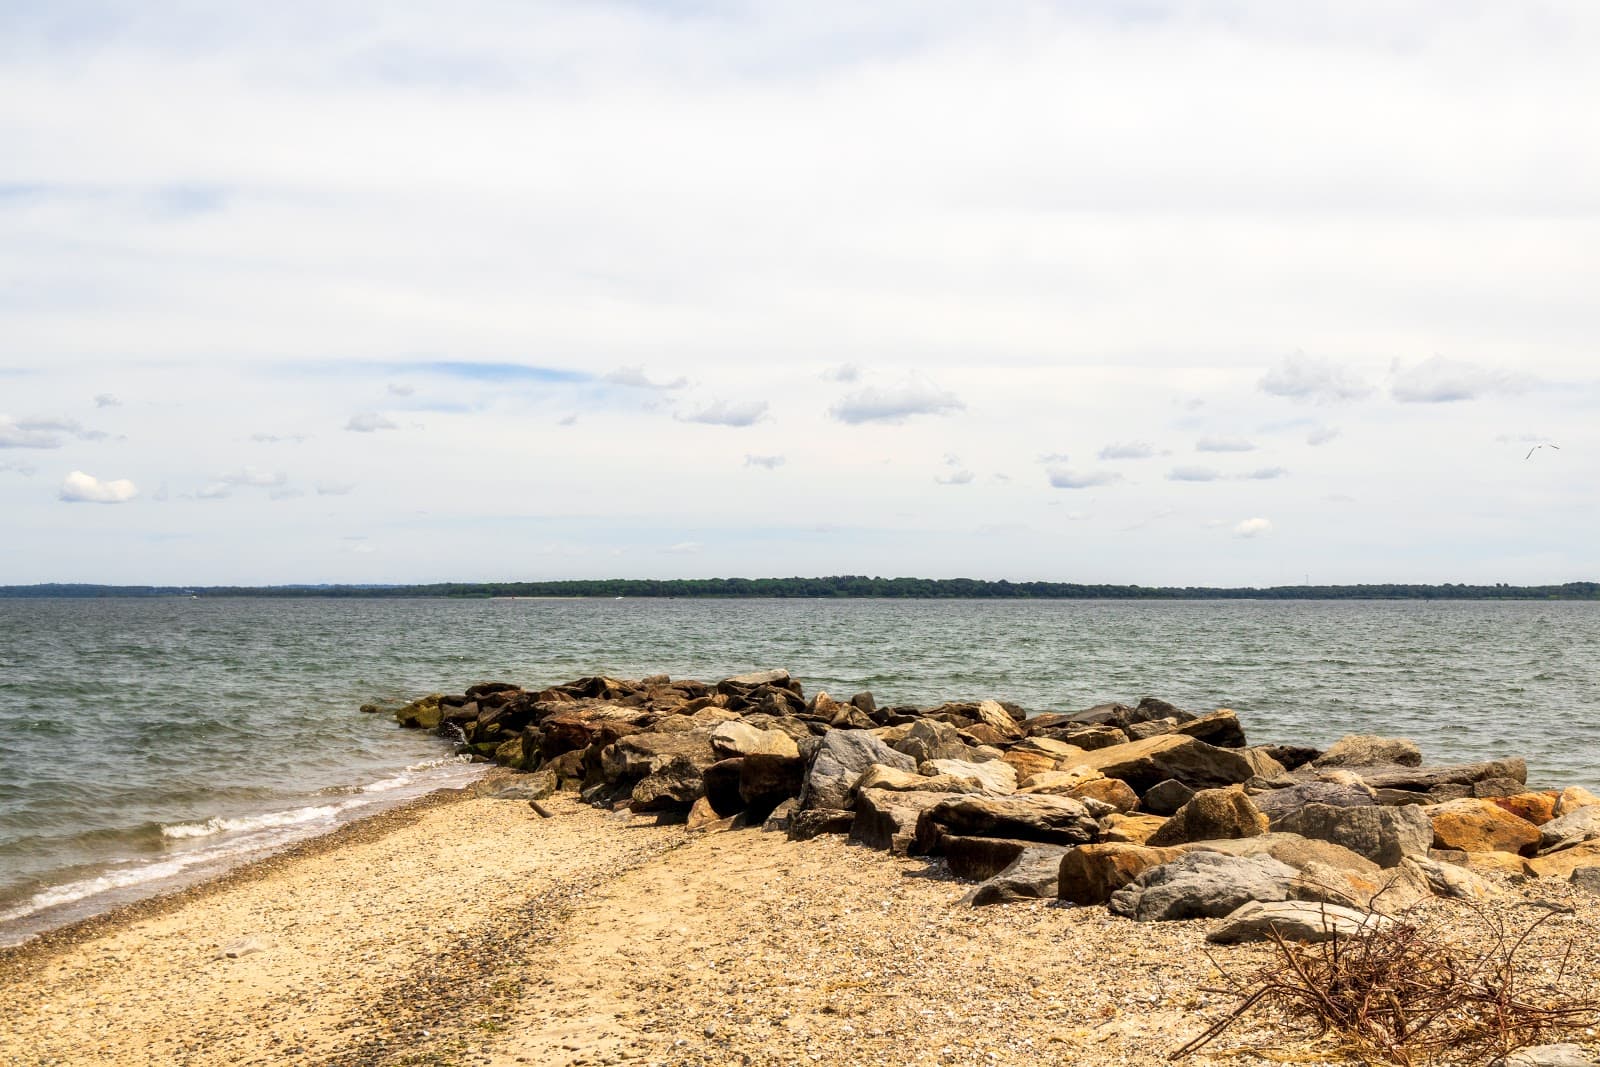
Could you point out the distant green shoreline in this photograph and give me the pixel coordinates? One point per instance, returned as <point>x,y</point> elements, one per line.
<point>841,587</point>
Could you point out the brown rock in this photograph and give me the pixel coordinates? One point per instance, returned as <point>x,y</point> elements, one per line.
<point>1220,728</point>
<point>1091,873</point>
<point>1212,815</point>
<point>1536,808</point>
<point>887,820</point>
<point>1113,791</point>
<point>1196,764</point>
<point>1129,829</point>
<point>703,818</point>
<point>1370,750</point>
<point>1474,825</point>
<point>1562,864</point>
<point>978,858</point>
<point>1483,862</point>
<point>1059,782</point>
<point>1027,817</point>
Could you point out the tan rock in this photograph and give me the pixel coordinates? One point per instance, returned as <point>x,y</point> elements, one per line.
<point>1482,862</point>
<point>1574,797</point>
<point>991,714</point>
<point>1562,864</point>
<point>1536,808</point>
<point>703,818</point>
<point>1059,782</point>
<point>1129,829</point>
<point>1212,815</point>
<point>1029,763</point>
<point>879,776</point>
<point>1113,791</point>
<point>1474,825</point>
<point>1091,873</point>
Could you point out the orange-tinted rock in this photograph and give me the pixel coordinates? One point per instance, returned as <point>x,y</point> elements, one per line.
<point>1562,864</point>
<point>1113,791</point>
<point>1536,808</point>
<point>1129,829</point>
<point>1091,873</point>
<point>1483,862</point>
<point>1473,825</point>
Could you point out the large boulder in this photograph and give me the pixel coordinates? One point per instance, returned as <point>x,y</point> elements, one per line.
<point>1165,798</point>
<point>842,758</point>
<point>1212,815</point>
<point>1428,779</point>
<point>1370,750</point>
<point>1033,875</point>
<point>887,820</point>
<point>1196,764</point>
<point>1089,874</point>
<point>767,780</point>
<point>421,714</point>
<point>990,713</point>
<point>1220,728</point>
<point>1202,885</point>
<point>1576,827</point>
<point>1474,825</point>
<point>1113,791</point>
<point>979,858</point>
<point>1039,755</point>
<point>1276,804</point>
<point>1563,863</point>
<point>674,785</point>
<point>1293,920</point>
<point>1383,835</point>
<point>637,755</point>
<point>737,738</point>
<point>997,776</point>
<point>931,739</point>
<point>1047,819</point>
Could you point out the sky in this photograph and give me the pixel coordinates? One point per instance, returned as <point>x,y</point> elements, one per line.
<point>1212,293</point>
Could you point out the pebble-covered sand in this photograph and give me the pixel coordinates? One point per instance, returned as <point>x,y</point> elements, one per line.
<point>468,930</point>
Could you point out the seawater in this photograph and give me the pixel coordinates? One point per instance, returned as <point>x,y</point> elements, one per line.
<point>148,742</point>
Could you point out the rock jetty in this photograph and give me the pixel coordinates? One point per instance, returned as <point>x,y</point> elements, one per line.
<point>1150,810</point>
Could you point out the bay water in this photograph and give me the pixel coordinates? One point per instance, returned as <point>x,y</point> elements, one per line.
<point>149,742</point>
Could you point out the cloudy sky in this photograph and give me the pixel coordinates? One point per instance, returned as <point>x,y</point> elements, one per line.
<point>1204,293</point>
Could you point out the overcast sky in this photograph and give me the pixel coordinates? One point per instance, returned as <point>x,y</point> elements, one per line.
<point>1207,293</point>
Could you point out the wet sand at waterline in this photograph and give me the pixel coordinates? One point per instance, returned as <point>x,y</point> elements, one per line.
<point>467,930</point>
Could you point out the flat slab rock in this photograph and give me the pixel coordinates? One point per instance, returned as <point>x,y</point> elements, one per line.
<point>1293,920</point>
<point>1034,875</point>
<point>1203,885</point>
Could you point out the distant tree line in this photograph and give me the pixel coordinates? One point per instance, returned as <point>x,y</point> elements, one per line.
<point>838,586</point>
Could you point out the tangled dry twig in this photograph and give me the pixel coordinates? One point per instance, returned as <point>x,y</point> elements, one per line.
<point>1412,992</point>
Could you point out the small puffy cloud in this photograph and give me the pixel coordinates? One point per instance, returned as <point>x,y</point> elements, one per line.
<point>1307,378</point>
<point>369,422</point>
<point>1444,381</point>
<point>106,400</point>
<point>1262,474</point>
<point>844,372</point>
<point>961,477</point>
<point>896,403</point>
<point>250,478</point>
<point>335,488</point>
<point>1065,478</point>
<point>1224,444</point>
<point>683,548</point>
<point>767,462</point>
<point>723,413</point>
<point>1322,435</point>
<point>1193,474</point>
<point>1128,450</point>
<point>33,433</point>
<point>635,378</point>
<point>81,488</point>
<point>1253,528</point>
<point>400,389</point>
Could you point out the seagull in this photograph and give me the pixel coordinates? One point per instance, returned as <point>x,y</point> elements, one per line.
<point>1536,448</point>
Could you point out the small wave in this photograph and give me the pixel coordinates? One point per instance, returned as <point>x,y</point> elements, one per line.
<point>69,892</point>
<point>266,821</point>
<point>384,785</point>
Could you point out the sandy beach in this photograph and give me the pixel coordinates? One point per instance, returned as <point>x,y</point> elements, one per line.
<point>467,930</point>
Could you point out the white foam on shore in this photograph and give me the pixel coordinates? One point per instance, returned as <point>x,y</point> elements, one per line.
<point>196,850</point>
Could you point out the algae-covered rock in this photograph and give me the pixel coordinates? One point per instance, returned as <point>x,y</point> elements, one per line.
<point>421,714</point>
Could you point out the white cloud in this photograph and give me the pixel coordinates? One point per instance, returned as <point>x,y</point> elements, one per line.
<point>635,378</point>
<point>961,477</point>
<point>1064,478</point>
<point>369,422</point>
<point>1128,450</point>
<point>683,548</point>
<point>272,438</point>
<point>285,494</point>
<point>844,372</point>
<point>251,478</point>
<point>26,469</point>
<point>335,488</point>
<point>1253,528</point>
<point>81,488</point>
<point>1262,474</point>
<point>1321,435</point>
<point>1224,444</point>
<point>31,433</point>
<point>1322,381</point>
<point>768,462</point>
<point>214,491</point>
<point>725,413</point>
<point>106,400</point>
<point>917,395</point>
<point>400,389</point>
<point>1193,474</point>
<point>1443,381</point>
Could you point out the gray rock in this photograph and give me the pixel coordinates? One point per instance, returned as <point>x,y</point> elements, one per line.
<point>1586,878</point>
<point>1196,764</point>
<point>842,758</point>
<point>1277,803</point>
<point>887,820</point>
<point>741,739</point>
<point>997,776</point>
<point>1294,920</point>
<point>1383,835</point>
<point>930,739</point>
<point>1202,885</point>
<point>1564,1055</point>
<point>1573,828</point>
<point>1165,798</point>
<point>1034,875</point>
<point>1370,750</point>
<point>535,785</point>
<point>1426,779</point>
<point>1025,817</point>
<point>778,821</point>
<point>1220,728</point>
<point>778,676</point>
